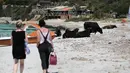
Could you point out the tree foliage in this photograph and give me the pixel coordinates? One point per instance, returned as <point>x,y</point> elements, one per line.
<point>104,6</point>
<point>98,6</point>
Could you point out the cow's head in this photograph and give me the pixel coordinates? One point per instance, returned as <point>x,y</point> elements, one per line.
<point>100,31</point>
<point>76,30</point>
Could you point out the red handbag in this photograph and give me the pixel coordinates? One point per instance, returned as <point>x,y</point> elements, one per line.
<point>53,59</point>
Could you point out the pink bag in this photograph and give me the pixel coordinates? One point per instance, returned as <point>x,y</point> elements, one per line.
<point>53,59</point>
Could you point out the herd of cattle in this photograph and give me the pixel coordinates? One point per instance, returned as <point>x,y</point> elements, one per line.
<point>89,27</point>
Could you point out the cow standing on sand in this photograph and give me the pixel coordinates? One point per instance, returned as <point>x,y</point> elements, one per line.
<point>89,27</point>
<point>93,27</point>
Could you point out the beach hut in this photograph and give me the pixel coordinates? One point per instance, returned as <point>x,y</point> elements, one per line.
<point>61,12</point>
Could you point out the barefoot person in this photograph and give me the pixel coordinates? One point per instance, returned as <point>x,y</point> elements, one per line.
<point>18,47</point>
<point>43,34</point>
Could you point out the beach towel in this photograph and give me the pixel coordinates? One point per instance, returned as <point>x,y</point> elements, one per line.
<point>27,48</point>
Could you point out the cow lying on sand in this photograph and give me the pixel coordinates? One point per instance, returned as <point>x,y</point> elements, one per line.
<point>58,31</point>
<point>90,27</point>
<point>109,27</point>
<point>85,33</point>
<point>76,34</point>
<point>93,27</point>
<point>70,34</point>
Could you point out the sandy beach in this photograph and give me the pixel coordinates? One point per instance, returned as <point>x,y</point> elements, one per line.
<point>101,53</point>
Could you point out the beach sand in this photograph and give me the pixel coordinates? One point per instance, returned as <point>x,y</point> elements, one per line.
<point>101,53</point>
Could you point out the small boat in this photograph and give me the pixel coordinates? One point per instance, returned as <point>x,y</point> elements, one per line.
<point>6,41</point>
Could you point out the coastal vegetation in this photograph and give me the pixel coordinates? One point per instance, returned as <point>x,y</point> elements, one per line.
<point>100,8</point>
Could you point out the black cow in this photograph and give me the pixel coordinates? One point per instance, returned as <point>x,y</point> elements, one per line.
<point>61,27</point>
<point>70,34</point>
<point>109,27</point>
<point>58,31</point>
<point>85,33</point>
<point>93,27</point>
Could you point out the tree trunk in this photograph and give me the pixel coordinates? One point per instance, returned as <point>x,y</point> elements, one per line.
<point>1,10</point>
<point>28,10</point>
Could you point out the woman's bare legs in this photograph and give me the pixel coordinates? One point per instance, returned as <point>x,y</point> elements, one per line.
<point>21,65</point>
<point>15,68</point>
<point>44,71</point>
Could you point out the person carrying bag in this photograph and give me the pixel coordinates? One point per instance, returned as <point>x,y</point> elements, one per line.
<point>44,45</point>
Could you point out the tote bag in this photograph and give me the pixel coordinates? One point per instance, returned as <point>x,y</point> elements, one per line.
<point>53,59</point>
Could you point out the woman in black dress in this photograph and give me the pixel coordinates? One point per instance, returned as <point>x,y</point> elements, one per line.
<point>18,48</point>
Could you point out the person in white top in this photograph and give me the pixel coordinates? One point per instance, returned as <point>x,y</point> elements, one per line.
<point>43,34</point>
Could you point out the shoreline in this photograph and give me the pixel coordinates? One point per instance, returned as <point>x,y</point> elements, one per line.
<point>100,53</point>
